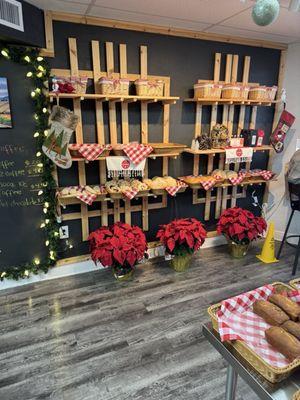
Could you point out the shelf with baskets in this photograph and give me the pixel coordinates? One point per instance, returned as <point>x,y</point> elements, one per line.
<point>118,129</point>
<point>233,116</point>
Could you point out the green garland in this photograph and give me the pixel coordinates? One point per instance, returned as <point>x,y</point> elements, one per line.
<point>39,73</point>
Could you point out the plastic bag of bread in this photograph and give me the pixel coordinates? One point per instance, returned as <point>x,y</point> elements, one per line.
<point>231,174</point>
<point>219,174</point>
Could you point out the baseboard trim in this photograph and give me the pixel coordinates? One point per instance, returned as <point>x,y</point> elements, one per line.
<point>87,265</point>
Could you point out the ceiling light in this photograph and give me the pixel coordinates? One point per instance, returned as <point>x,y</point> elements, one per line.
<point>265,12</point>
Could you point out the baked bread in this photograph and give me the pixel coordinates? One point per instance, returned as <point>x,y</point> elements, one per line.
<point>287,305</point>
<point>272,314</point>
<point>231,174</point>
<point>219,174</point>
<point>206,178</point>
<point>284,342</point>
<point>292,327</point>
<point>296,395</point>
<point>191,179</point>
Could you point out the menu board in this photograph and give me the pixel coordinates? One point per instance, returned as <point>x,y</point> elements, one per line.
<point>21,239</point>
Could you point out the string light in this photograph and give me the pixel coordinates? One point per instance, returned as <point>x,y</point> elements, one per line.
<point>52,256</point>
<point>33,94</point>
<point>47,243</point>
<point>36,117</point>
<point>39,74</point>
<point>45,110</point>
<point>45,210</point>
<point>36,134</point>
<point>39,58</point>
<point>29,74</point>
<point>40,165</point>
<point>70,246</point>
<point>38,154</point>
<point>47,221</point>
<point>45,132</point>
<point>3,274</point>
<point>40,192</point>
<point>27,58</point>
<point>56,234</point>
<point>36,261</point>
<point>4,52</point>
<point>26,272</point>
<point>46,204</point>
<point>42,225</point>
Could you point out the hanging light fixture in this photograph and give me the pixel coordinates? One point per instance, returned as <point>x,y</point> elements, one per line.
<point>265,12</point>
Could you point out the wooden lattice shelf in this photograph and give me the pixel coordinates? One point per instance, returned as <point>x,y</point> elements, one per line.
<point>103,204</point>
<point>236,102</point>
<point>222,151</point>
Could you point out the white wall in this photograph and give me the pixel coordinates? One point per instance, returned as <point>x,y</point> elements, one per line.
<point>281,213</point>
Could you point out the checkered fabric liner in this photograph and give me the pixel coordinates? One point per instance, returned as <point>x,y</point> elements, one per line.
<point>237,321</point>
<point>266,175</point>
<point>137,152</point>
<point>208,184</point>
<point>90,151</point>
<point>172,190</point>
<point>130,193</point>
<point>237,180</point>
<point>84,195</point>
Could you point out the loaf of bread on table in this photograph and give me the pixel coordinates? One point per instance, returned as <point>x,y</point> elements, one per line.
<point>291,308</point>
<point>293,328</point>
<point>284,342</point>
<point>272,314</point>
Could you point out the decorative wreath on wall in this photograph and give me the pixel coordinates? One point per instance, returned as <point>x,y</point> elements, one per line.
<point>38,73</point>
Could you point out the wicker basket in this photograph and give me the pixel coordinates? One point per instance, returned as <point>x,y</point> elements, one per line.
<point>79,84</point>
<point>144,87</point>
<point>207,90</point>
<point>295,283</point>
<point>73,148</point>
<point>167,148</point>
<point>270,373</point>
<point>271,92</point>
<point>114,86</point>
<point>244,92</point>
<point>231,92</point>
<point>258,93</point>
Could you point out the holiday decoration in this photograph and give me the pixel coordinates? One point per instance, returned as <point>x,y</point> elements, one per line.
<point>265,12</point>
<point>182,237</point>
<point>285,122</point>
<point>119,246</point>
<point>203,142</point>
<point>240,227</point>
<point>38,73</point>
<point>63,123</point>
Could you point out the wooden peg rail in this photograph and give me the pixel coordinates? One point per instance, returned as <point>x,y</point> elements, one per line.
<point>117,208</point>
<point>219,195</point>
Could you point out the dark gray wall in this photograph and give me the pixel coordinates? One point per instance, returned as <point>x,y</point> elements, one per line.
<point>34,31</point>
<point>185,61</point>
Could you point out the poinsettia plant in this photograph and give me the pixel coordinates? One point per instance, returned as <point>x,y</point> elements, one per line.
<point>241,226</point>
<point>182,236</point>
<point>119,246</point>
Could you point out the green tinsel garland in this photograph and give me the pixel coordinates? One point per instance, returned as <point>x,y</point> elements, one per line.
<point>39,73</point>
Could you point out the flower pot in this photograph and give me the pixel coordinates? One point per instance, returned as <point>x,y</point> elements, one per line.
<point>122,276</point>
<point>181,263</point>
<point>237,250</point>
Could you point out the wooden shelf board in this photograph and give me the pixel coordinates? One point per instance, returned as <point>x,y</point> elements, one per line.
<point>215,151</point>
<point>207,101</point>
<point>152,156</point>
<point>256,181</point>
<point>114,98</point>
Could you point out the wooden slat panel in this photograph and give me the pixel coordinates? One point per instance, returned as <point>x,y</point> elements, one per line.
<point>124,106</point>
<point>79,137</point>
<point>241,123</point>
<point>99,123</point>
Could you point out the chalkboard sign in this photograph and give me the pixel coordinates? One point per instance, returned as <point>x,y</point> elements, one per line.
<point>21,239</point>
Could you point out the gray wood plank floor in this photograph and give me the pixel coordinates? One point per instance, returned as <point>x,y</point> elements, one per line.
<point>88,337</point>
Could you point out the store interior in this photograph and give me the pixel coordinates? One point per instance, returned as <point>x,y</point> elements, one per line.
<point>149,198</point>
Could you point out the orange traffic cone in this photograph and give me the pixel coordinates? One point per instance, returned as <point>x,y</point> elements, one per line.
<point>267,255</point>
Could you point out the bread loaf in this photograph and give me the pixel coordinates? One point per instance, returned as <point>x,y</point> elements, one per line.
<point>284,342</point>
<point>293,328</point>
<point>272,314</point>
<point>287,305</point>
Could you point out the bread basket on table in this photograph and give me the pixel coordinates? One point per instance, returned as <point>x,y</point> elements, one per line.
<point>295,283</point>
<point>272,374</point>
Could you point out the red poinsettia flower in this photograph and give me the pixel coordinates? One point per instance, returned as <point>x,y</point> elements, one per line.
<point>240,225</point>
<point>182,236</point>
<point>117,245</point>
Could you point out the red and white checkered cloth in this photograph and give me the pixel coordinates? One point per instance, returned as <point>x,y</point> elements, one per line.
<point>90,151</point>
<point>130,193</point>
<point>266,175</point>
<point>208,184</point>
<point>238,179</point>
<point>172,190</point>
<point>238,322</point>
<point>137,152</point>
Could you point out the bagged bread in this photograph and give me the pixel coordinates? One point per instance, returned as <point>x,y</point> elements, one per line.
<point>272,314</point>
<point>292,327</point>
<point>291,308</point>
<point>284,342</point>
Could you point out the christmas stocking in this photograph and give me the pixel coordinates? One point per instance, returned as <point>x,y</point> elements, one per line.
<point>62,124</point>
<point>277,137</point>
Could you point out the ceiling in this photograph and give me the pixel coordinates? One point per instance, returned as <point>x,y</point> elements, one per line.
<point>227,17</point>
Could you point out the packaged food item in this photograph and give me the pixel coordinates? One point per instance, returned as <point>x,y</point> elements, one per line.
<point>260,137</point>
<point>236,142</point>
<point>219,174</point>
<point>249,136</point>
<point>284,342</point>
<point>272,314</point>
<point>291,308</point>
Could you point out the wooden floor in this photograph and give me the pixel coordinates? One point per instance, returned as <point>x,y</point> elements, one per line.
<point>88,337</point>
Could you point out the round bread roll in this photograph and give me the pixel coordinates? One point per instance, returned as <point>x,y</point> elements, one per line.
<point>169,181</point>
<point>219,174</point>
<point>232,174</point>
<point>64,191</point>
